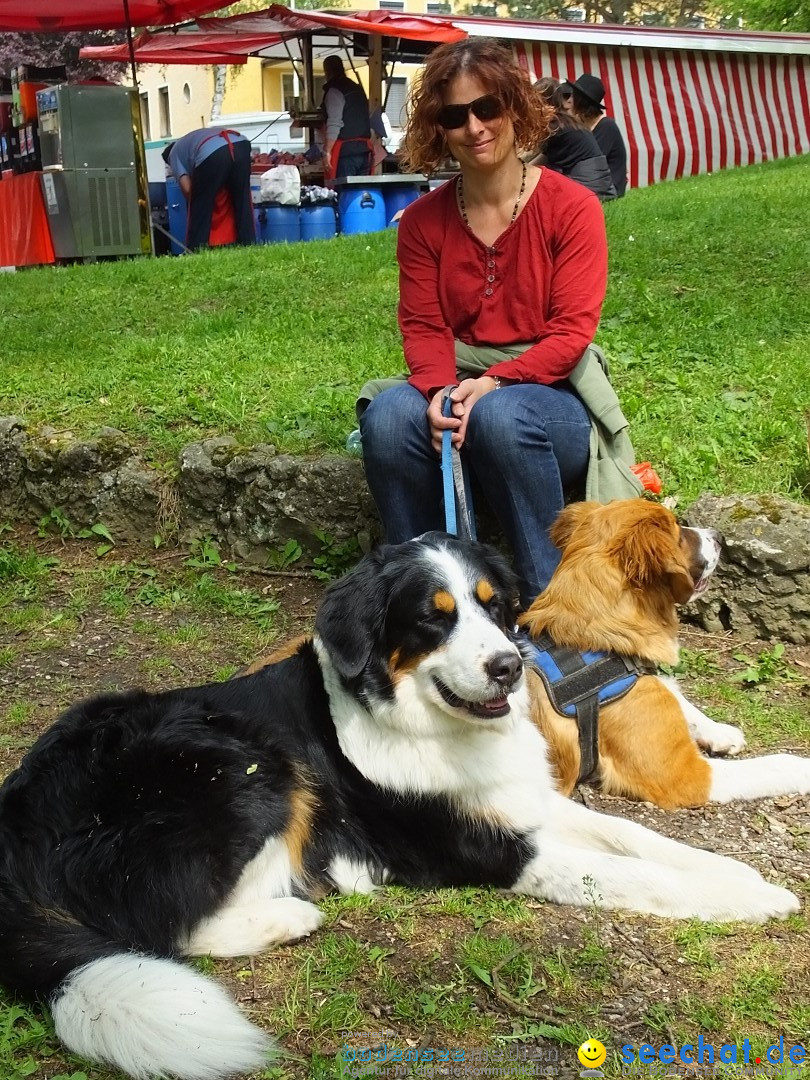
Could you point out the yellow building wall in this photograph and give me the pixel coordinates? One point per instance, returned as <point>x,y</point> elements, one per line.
<point>180,95</point>
<point>244,89</point>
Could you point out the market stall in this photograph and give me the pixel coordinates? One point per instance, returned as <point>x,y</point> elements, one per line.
<point>55,203</point>
<point>359,204</point>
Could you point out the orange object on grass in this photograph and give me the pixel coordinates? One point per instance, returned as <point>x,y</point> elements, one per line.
<point>649,478</point>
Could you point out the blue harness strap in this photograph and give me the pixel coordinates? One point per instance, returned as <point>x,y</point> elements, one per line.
<point>458,509</point>
<point>579,683</point>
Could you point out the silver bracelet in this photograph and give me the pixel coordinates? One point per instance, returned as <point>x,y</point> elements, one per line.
<point>498,383</point>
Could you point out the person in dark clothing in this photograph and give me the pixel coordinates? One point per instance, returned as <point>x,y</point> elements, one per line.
<point>205,162</point>
<point>588,95</point>
<point>570,148</point>
<point>347,144</point>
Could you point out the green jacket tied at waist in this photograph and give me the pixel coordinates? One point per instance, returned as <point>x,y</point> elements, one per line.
<point>611,453</point>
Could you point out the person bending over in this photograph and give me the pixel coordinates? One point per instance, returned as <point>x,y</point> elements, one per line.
<point>502,277</point>
<point>205,162</point>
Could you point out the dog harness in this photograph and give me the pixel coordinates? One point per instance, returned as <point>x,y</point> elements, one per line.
<point>579,683</point>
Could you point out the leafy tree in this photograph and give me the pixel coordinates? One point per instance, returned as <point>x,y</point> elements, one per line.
<point>787,15</point>
<point>634,12</point>
<point>52,50</point>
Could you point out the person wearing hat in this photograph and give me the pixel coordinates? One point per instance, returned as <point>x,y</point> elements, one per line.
<point>571,148</point>
<point>588,94</point>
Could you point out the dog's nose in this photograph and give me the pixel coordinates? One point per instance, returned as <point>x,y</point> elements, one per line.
<point>504,668</point>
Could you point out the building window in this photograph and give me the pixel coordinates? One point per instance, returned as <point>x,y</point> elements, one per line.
<point>440,7</point>
<point>392,5</point>
<point>186,93</point>
<point>289,91</point>
<point>293,87</point>
<point>490,10</point>
<point>146,127</point>
<point>395,102</point>
<point>163,112</point>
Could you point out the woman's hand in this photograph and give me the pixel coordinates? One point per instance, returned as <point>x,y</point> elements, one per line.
<point>464,398</point>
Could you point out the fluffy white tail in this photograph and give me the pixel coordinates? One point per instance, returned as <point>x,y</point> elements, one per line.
<point>155,1018</point>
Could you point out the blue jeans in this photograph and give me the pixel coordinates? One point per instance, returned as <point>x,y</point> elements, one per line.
<point>527,445</point>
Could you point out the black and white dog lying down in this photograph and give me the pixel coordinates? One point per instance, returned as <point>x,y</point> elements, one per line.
<point>395,746</point>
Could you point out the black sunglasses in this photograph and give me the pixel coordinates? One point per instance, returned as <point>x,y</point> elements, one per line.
<point>487,107</point>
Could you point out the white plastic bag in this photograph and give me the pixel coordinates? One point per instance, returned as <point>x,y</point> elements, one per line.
<point>282,184</point>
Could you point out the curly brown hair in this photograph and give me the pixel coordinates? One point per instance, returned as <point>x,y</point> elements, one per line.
<point>424,146</point>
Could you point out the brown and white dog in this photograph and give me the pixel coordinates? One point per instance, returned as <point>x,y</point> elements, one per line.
<point>625,566</point>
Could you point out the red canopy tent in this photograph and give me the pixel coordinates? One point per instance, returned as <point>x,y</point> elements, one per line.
<point>232,39</point>
<point>375,21</point>
<point>54,16</point>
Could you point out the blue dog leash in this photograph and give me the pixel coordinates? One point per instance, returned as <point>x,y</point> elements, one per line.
<point>458,507</point>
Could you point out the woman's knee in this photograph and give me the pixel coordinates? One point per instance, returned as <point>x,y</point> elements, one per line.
<point>501,423</point>
<point>389,420</point>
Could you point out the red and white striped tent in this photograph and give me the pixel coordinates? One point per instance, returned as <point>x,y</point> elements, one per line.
<point>688,101</point>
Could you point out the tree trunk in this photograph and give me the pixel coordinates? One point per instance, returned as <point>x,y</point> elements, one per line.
<point>220,75</point>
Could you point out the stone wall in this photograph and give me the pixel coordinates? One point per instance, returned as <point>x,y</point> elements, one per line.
<point>253,500</point>
<point>762,586</point>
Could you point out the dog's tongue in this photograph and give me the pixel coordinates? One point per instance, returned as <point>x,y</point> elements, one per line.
<point>701,585</point>
<point>494,706</point>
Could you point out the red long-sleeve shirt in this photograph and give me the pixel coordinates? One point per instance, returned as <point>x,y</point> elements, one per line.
<point>543,281</point>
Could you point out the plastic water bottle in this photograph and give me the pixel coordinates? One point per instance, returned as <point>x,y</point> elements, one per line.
<point>354,443</point>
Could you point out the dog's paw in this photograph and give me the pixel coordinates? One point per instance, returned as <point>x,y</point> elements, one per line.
<point>768,902</point>
<point>721,739</point>
<point>299,917</point>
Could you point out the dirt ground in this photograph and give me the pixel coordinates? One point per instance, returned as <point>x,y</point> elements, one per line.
<point>465,969</point>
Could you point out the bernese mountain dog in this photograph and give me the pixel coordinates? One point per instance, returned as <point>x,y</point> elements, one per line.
<point>395,746</point>
<point>625,568</point>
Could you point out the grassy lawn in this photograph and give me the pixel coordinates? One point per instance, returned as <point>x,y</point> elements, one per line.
<point>707,324</point>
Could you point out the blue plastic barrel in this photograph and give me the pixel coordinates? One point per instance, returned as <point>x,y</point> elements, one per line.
<point>176,206</point>
<point>361,210</point>
<point>397,197</point>
<point>277,224</point>
<point>318,222</point>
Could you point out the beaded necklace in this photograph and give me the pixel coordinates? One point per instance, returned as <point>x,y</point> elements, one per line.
<point>463,208</point>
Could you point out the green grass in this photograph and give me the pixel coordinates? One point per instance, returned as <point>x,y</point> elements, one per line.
<point>707,324</point>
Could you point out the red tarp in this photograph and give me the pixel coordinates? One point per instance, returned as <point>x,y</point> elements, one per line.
<point>52,16</point>
<point>25,236</point>
<point>184,47</point>
<point>230,40</point>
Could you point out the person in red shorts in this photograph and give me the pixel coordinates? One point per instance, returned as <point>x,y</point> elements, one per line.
<point>502,277</point>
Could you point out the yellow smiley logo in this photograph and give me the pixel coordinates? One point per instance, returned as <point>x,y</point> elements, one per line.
<point>592,1054</point>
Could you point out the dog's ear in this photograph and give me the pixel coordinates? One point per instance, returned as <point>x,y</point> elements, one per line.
<point>648,553</point>
<point>502,575</point>
<point>568,520</point>
<point>351,615</point>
